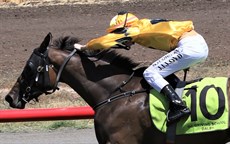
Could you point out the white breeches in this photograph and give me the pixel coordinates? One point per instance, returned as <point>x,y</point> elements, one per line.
<point>190,50</point>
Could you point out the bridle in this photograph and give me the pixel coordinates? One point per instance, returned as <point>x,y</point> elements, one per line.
<point>42,70</point>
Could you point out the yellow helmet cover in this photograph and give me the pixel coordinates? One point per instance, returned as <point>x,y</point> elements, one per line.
<point>121,20</point>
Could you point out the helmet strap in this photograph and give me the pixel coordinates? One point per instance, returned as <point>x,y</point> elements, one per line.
<point>126,16</point>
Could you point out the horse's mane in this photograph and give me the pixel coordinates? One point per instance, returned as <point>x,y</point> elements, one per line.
<point>66,43</point>
<point>110,56</point>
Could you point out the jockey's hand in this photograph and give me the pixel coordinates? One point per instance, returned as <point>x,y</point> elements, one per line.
<point>79,46</point>
<point>128,45</point>
<point>125,42</point>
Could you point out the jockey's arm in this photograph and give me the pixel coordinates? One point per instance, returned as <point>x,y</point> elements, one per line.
<point>111,40</point>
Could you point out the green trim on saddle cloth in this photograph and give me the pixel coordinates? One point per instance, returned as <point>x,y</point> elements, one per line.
<point>207,100</point>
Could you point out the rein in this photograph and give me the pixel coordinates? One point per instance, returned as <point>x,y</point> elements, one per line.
<point>124,83</point>
<point>121,95</point>
<point>116,97</point>
<point>62,68</point>
<point>60,72</point>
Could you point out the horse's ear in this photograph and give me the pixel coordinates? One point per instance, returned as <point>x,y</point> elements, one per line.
<point>46,42</point>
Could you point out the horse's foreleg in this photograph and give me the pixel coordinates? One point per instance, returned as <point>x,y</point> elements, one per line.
<point>118,136</point>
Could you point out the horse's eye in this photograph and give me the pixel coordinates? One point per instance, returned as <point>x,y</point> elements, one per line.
<point>28,71</point>
<point>28,68</point>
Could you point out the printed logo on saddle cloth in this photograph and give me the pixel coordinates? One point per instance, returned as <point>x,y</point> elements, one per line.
<point>207,100</point>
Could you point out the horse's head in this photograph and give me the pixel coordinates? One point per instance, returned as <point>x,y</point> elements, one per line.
<point>93,75</point>
<point>37,77</point>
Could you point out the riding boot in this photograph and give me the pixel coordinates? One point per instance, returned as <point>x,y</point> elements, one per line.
<point>177,108</point>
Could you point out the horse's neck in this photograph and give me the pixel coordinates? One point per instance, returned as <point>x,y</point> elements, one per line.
<point>72,73</point>
<point>97,83</point>
<point>93,81</point>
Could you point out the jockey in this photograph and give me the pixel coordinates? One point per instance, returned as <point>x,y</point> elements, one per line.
<point>184,45</point>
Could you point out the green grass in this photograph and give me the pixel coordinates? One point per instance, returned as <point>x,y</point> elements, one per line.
<point>45,125</point>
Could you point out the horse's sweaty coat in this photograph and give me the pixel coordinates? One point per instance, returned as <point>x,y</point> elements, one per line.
<point>207,100</point>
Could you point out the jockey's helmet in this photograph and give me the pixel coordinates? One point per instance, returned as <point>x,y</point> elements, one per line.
<point>121,20</point>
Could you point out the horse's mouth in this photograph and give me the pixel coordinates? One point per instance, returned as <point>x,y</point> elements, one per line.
<point>18,104</point>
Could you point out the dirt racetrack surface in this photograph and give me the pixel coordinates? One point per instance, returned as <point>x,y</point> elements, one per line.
<point>23,28</point>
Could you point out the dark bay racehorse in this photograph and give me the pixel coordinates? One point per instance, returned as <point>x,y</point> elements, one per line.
<point>108,83</point>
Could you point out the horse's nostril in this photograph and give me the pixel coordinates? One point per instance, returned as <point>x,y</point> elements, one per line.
<point>9,99</point>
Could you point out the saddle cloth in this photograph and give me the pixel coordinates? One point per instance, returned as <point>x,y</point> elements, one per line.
<point>207,100</point>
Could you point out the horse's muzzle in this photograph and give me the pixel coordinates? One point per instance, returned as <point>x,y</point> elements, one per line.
<point>13,104</point>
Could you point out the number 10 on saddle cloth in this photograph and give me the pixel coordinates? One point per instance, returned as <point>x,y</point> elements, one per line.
<point>207,100</point>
